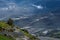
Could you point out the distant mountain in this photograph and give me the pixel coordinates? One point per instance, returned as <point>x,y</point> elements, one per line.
<point>47,20</point>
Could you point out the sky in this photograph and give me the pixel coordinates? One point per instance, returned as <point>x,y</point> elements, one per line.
<point>26,7</point>
<point>18,7</point>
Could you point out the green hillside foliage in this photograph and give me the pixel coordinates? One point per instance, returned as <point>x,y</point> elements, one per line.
<point>4,25</point>
<point>2,37</point>
<point>26,33</point>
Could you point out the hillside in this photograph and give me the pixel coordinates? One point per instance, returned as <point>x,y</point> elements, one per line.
<point>9,32</point>
<point>2,37</point>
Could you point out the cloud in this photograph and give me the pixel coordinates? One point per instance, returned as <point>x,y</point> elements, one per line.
<point>13,8</point>
<point>44,17</point>
<point>38,6</point>
<point>45,32</point>
<point>4,8</point>
<point>9,6</point>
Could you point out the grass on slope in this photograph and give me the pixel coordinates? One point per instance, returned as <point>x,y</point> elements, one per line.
<point>26,33</point>
<point>4,25</point>
<point>2,37</point>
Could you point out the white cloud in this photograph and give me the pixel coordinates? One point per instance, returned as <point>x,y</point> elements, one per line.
<point>10,6</point>
<point>44,17</point>
<point>38,6</point>
<point>37,19</point>
<point>45,32</point>
<point>13,8</point>
<point>4,9</point>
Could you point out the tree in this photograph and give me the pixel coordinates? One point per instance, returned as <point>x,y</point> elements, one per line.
<point>10,21</point>
<point>25,30</point>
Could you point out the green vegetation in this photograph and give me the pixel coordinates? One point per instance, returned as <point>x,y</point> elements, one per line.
<point>10,22</point>
<point>26,33</point>
<point>2,37</point>
<point>8,26</point>
<point>4,25</point>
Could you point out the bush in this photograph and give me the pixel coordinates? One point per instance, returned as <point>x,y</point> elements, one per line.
<point>10,21</point>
